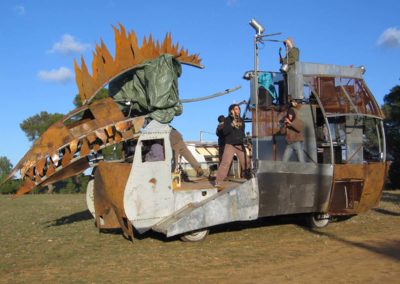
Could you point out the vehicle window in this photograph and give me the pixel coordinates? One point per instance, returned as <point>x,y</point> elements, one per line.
<point>153,150</point>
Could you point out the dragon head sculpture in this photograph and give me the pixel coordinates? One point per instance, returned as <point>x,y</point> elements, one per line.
<point>63,149</point>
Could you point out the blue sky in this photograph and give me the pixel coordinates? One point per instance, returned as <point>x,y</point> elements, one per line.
<point>40,39</point>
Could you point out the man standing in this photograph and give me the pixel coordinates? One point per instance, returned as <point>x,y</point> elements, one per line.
<point>221,137</point>
<point>292,53</point>
<point>294,127</point>
<point>234,135</point>
<point>288,65</point>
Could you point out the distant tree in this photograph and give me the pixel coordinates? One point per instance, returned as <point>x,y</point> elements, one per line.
<point>391,109</point>
<point>34,126</point>
<point>103,93</point>
<point>5,167</point>
<point>12,185</point>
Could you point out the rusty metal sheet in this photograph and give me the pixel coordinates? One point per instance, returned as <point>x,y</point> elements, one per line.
<point>346,95</point>
<point>66,159</point>
<point>373,186</point>
<point>71,170</point>
<point>349,171</point>
<point>138,123</point>
<point>73,146</point>
<point>50,169</point>
<point>357,187</point>
<point>85,150</point>
<point>109,186</point>
<point>26,187</point>
<point>269,121</point>
<point>40,166</point>
<point>64,153</point>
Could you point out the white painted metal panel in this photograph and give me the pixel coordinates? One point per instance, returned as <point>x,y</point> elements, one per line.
<point>148,194</point>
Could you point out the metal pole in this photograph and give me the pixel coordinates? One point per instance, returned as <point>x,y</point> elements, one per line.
<point>256,88</point>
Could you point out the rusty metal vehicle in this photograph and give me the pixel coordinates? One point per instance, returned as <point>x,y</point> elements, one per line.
<point>344,145</point>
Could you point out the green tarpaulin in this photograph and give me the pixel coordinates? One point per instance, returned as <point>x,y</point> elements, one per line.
<point>151,88</point>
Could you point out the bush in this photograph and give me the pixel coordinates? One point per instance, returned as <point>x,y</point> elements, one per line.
<point>11,186</point>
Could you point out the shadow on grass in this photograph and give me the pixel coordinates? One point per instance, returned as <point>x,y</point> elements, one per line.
<point>76,217</point>
<point>391,196</point>
<point>390,249</point>
<point>231,227</point>
<point>386,212</point>
<point>261,222</point>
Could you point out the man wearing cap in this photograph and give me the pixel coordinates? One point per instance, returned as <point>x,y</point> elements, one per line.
<point>292,53</point>
<point>288,64</point>
<point>234,135</point>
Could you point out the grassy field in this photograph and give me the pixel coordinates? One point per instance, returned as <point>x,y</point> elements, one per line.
<point>52,239</point>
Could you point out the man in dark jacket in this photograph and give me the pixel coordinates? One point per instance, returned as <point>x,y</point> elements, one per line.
<point>221,137</point>
<point>234,135</point>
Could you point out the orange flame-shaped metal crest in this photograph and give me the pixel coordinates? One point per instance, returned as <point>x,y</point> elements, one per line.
<point>128,54</point>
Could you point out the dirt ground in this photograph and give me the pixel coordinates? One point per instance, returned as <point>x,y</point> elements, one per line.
<point>52,239</point>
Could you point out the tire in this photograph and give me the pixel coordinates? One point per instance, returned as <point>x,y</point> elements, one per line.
<point>90,198</point>
<point>318,220</point>
<point>195,236</point>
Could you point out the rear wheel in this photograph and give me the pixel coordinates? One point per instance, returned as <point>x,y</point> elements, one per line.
<point>195,236</point>
<point>318,220</point>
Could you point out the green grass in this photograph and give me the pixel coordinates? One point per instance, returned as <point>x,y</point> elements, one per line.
<point>52,239</point>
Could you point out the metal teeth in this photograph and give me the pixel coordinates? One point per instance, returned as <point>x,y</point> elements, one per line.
<point>38,172</point>
<point>128,54</point>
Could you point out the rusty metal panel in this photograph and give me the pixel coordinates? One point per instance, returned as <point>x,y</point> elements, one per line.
<point>62,150</point>
<point>344,95</point>
<point>349,171</point>
<point>109,185</point>
<point>357,187</point>
<point>373,186</point>
<point>268,121</point>
<point>345,197</point>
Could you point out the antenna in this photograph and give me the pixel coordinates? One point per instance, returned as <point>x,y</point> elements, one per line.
<point>256,26</point>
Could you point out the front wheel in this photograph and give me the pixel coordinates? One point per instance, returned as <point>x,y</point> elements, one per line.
<point>90,198</point>
<point>195,236</point>
<point>318,220</point>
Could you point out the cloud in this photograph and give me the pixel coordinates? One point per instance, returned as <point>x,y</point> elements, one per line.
<point>68,45</point>
<point>231,3</point>
<point>390,38</point>
<point>20,10</point>
<point>60,75</point>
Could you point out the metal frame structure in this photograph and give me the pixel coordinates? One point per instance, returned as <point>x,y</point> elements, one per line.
<point>143,194</point>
